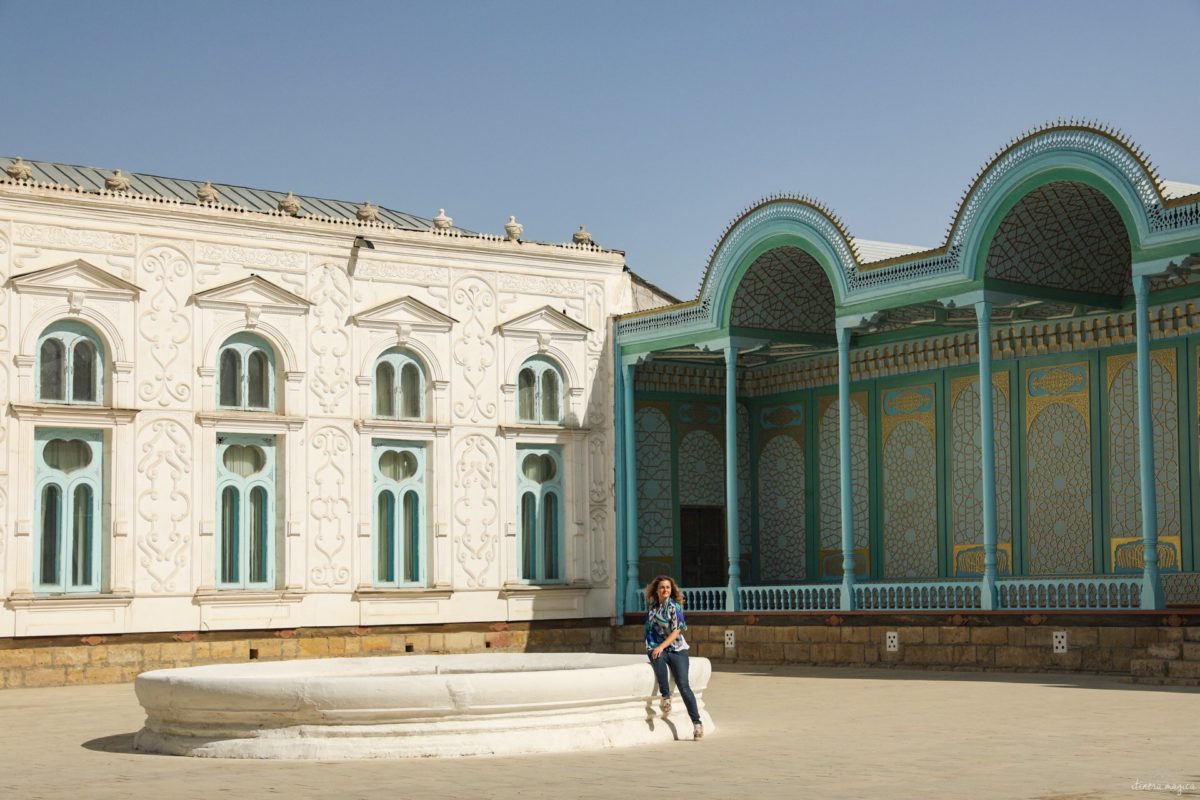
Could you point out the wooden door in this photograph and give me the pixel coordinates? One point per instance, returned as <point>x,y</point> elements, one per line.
<point>702,546</point>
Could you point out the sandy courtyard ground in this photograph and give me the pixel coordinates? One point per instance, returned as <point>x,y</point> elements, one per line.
<point>784,732</point>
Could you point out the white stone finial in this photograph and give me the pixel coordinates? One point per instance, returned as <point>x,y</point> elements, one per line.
<point>581,236</point>
<point>367,212</point>
<point>290,205</point>
<point>514,229</point>
<point>18,170</point>
<point>117,182</point>
<point>207,194</point>
<point>442,222</point>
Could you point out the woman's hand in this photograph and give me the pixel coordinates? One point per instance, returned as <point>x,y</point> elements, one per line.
<point>656,652</point>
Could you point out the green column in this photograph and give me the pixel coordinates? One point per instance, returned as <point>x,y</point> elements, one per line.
<point>631,504</point>
<point>731,481</point>
<point>987,453</point>
<point>843,337</point>
<point>1152,590</point>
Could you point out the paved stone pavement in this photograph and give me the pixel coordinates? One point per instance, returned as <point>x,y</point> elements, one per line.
<point>784,732</point>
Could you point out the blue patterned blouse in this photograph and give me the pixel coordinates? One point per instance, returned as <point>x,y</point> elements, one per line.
<point>660,621</point>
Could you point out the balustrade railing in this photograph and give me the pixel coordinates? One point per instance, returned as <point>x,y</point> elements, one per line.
<point>918,596</point>
<point>707,598</point>
<point>1051,594</point>
<point>816,597</point>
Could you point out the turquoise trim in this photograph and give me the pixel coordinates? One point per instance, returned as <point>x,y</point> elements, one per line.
<point>243,347</point>
<point>540,380</point>
<point>1152,589</point>
<point>732,518</point>
<point>73,338</point>
<point>540,515</point>
<point>399,359</point>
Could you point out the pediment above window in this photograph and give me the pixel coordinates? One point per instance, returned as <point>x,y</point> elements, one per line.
<point>78,278</point>
<point>545,321</point>
<point>405,311</point>
<point>252,293</point>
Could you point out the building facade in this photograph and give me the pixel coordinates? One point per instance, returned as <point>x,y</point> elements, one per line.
<point>809,433</point>
<point>232,409</point>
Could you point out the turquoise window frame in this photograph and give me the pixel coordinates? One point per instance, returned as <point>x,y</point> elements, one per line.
<point>399,551</point>
<point>69,578</point>
<point>399,360</point>
<point>540,515</point>
<point>244,346</point>
<point>70,334</point>
<point>538,368</point>
<point>245,492</point>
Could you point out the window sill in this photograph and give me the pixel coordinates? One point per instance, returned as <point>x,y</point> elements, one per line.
<point>531,589</point>
<point>249,421</point>
<point>74,413</point>
<point>402,593</point>
<point>68,601</point>
<point>216,597</point>
<point>533,429</point>
<point>400,427</point>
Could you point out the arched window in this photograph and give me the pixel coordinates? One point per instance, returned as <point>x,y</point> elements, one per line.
<point>399,530</point>
<point>67,502</point>
<point>399,386</point>
<point>540,392</point>
<point>246,374</point>
<point>70,364</point>
<point>246,511</point>
<point>539,489</point>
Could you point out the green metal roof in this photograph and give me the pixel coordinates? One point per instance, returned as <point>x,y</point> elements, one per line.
<point>91,179</point>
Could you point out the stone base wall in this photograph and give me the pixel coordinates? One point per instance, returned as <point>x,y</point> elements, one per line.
<point>1133,646</point>
<point>62,661</point>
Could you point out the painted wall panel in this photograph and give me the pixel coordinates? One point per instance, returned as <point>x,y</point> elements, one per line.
<point>966,475</point>
<point>909,475</point>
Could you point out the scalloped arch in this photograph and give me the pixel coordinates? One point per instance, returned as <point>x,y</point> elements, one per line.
<point>1096,156</point>
<point>780,221</point>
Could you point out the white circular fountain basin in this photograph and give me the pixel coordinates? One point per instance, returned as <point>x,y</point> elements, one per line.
<point>401,706</point>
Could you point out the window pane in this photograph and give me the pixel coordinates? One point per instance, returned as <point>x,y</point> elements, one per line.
<point>230,378</point>
<point>550,396</point>
<point>67,455</point>
<point>410,391</point>
<point>385,533</point>
<point>526,386</point>
<point>528,536</point>
<point>550,536</point>
<point>412,527</point>
<point>83,372</point>
<point>52,376</point>
<point>243,459</point>
<point>258,380</point>
<point>259,532</point>
<point>81,536</point>
<point>385,390</point>
<point>229,535</point>
<point>51,533</point>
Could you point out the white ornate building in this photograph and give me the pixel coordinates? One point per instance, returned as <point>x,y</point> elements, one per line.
<point>231,409</point>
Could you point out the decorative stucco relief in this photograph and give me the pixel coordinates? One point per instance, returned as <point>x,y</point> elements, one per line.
<point>249,257</point>
<point>475,350</point>
<point>75,239</point>
<point>536,284</point>
<point>330,340</point>
<point>476,513</point>
<point>594,318</point>
<point>599,470</point>
<point>600,408</point>
<point>409,273</point>
<point>164,453</point>
<point>598,529</point>
<point>166,274</point>
<point>329,507</point>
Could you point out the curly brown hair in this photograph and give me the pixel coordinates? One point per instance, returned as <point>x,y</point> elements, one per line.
<point>652,590</point>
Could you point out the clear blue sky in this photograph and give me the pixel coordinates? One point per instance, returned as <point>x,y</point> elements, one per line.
<point>654,123</point>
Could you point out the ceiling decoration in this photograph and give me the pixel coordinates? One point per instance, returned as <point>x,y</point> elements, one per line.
<point>1064,235</point>
<point>785,289</point>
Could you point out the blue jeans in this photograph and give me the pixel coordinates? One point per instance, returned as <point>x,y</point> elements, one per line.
<point>677,662</point>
